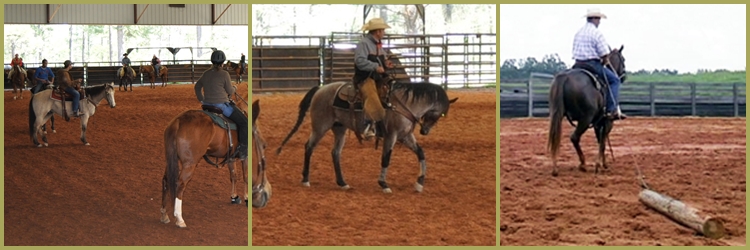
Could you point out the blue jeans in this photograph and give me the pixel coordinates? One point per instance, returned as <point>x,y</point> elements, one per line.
<point>614,84</point>
<point>76,96</point>
<point>226,109</point>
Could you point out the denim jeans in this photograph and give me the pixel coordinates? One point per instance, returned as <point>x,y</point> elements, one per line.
<point>76,96</point>
<point>614,84</point>
<point>226,109</point>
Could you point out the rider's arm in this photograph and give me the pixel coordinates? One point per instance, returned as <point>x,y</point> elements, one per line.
<point>360,57</point>
<point>38,74</point>
<point>52,75</point>
<point>228,83</point>
<point>198,87</point>
<point>601,44</point>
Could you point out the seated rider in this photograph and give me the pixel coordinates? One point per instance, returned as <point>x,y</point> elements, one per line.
<point>369,68</point>
<point>590,47</point>
<point>157,64</point>
<point>242,63</point>
<point>216,86</point>
<point>70,86</point>
<point>16,61</point>
<point>126,65</point>
<point>43,76</point>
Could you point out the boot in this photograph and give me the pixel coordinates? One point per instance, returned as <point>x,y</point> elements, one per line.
<point>372,106</point>
<point>241,122</point>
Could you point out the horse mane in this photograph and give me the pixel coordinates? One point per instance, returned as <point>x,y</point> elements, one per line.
<point>95,89</point>
<point>423,90</point>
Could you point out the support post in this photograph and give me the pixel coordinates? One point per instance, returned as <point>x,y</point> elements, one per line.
<point>684,214</point>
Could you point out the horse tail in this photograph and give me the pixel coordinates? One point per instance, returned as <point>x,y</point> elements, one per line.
<point>304,105</point>
<point>32,116</point>
<point>173,168</point>
<point>556,112</point>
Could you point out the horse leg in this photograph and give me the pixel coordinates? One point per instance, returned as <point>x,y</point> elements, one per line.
<point>385,160</point>
<point>185,175</point>
<point>164,198</point>
<point>606,129</point>
<point>339,131</point>
<point>84,122</point>
<point>575,138</point>
<point>309,148</point>
<point>244,176</point>
<point>233,177</point>
<point>411,142</point>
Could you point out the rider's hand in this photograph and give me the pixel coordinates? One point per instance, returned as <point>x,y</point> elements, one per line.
<point>380,70</point>
<point>389,64</point>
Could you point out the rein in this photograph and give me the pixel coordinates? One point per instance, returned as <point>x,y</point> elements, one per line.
<point>261,163</point>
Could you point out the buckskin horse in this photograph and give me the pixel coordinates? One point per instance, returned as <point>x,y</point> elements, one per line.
<point>196,134</point>
<point>148,72</point>
<point>579,95</point>
<point>18,81</point>
<point>48,102</point>
<point>420,103</point>
<point>235,67</point>
<point>126,76</point>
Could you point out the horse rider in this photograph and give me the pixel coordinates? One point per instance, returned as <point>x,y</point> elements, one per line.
<point>43,76</point>
<point>590,47</point>
<point>157,64</point>
<point>217,87</point>
<point>369,68</point>
<point>65,82</point>
<point>242,63</point>
<point>16,61</point>
<point>125,65</point>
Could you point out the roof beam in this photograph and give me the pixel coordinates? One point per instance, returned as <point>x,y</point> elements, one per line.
<point>49,19</point>
<point>139,16</point>
<point>222,13</point>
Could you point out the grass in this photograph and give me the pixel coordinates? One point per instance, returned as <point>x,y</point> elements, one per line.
<point>709,77</point>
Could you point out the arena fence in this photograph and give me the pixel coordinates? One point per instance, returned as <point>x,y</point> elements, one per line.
<point>94,73</point>
<point>300,62</point>
<point>530,98</point>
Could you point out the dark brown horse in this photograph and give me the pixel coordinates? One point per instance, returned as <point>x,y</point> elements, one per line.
<point>235,68</point>
<point>190,136</point>
<point>574,95</point>
<point>126,75</point>
<point>18,81</point>
<point>148,72</point>
<point>261,185</point>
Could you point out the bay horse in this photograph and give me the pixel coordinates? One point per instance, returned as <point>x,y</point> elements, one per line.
<point>577,95</point>
<point>45,104</point>
<point>18,81</point>
<point>420,103</point>
<point>126,76</point>
<point>261,185</point>
<point>148,70</point>
<point>190,136</point>
<point>235,67</point>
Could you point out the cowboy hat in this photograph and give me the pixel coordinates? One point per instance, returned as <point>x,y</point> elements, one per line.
<point>594,12</point>
<point>375,24</point>
<point>125,54</point>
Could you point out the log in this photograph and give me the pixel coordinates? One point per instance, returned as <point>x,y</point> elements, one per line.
<point>684,214</point>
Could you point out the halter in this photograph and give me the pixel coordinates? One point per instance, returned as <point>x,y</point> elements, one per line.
<point>607,63</point>
<point>261,163</point>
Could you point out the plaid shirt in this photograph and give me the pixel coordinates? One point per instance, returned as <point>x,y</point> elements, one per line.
<point>589,43</point>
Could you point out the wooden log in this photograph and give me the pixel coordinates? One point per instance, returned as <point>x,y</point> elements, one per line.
<point>684,214</point>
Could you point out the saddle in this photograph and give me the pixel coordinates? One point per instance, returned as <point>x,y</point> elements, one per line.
<point>225,123</point>
<point>121,71</point>
<point>348,97</point>
<point>599,80</point>
<point>59,94</point>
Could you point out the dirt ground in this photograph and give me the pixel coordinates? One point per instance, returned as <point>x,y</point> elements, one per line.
<point>700,161</point>
<point>109,193</point>
<point>457,206</point>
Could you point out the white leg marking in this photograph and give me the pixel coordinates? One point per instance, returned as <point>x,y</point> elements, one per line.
<point>178,213</point>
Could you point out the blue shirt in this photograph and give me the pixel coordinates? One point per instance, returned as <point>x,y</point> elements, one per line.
<point>43,73</point>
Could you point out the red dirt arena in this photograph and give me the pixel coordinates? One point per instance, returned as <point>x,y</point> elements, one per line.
<point>457,206</point>
<point>699,161</point>
<point>109,193</point>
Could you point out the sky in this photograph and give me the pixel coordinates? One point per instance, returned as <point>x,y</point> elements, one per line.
<point>683,37</point>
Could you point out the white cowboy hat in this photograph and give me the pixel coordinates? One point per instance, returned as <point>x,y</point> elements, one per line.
<point>594,12</point>
<point>375,24</point>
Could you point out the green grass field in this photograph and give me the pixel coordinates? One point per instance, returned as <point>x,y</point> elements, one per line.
<point>711,77</point>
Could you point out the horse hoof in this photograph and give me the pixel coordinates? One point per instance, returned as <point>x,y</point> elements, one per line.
<point>554,173</point>
<point>14,98</point>
<point>181,224</point>
<point>236,200</point>
<point>387,190</point>
<point>46,144</point>
<point>345,187</point>
<point>54,131</point>
<point>306,184</point>
<point>418,187</point>
<point>87,144</point>
<point>582,168</point>
<point>45,132</point>
<point>165,220</point>
<point>39,145</point>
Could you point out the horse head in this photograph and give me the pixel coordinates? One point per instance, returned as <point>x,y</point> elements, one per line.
<point>616,61</point>
<point>431,118</point>
<point>261,186</point>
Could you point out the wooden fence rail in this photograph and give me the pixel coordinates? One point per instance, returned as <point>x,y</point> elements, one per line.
<point>530,99</point>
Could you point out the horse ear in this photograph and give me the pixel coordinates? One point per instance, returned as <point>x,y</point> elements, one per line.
<point>453,100</point>
<point>256,110</point>
<point>622,47</point>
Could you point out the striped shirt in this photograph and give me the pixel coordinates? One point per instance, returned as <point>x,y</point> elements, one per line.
<point>589,43</point>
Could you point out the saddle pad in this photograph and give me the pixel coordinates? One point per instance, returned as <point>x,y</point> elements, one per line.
<point>218,120</point>
<point>56,96</point>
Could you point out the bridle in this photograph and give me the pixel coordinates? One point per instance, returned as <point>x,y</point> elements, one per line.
<point>608,63</point>
<point>257,189</point>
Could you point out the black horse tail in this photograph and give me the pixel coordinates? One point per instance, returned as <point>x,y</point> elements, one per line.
<point>170,150</point>
<point>556,112</point>
<point>32,117</point>
<point>304,105</point>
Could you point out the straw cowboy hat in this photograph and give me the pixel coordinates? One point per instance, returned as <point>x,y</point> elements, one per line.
<point>375,24</point>
<point>594,12</point>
